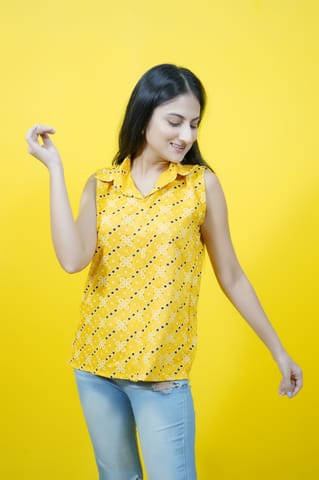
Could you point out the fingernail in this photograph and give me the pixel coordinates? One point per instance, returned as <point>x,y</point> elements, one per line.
<point>290,395</point>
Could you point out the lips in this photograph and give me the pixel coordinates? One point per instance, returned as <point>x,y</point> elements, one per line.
<point>178,148</point>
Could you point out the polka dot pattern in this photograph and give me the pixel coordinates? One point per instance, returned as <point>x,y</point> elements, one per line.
<point>138,311</point>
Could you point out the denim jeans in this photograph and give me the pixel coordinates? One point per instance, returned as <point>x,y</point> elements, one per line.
<point>161,412</point>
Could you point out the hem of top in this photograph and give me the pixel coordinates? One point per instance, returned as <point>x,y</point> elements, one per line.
<point>140,379</point>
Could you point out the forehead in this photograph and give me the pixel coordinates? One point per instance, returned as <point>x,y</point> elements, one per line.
<point>185,104</point>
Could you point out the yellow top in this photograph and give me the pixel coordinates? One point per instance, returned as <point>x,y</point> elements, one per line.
<point>138,311</point>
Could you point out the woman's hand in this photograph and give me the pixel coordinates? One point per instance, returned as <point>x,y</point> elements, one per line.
<point>234,283</point>
<point>46,153</point>
<point>291,381</point>
<point>74,241</point>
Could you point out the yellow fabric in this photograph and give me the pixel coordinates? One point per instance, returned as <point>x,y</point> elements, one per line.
<point>138,312</point>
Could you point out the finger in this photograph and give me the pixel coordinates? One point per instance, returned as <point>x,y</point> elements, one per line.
<point>34,147</point>
<point>29,134</point>
<point>41,130</point>
<point>44,129</point>
<point>46,140</point>
<point>32,135</point>
<point>286,386</point>
<point>296,378</point>
<point>298,383</point>
<point>293,386</point>
<point>33,132</point>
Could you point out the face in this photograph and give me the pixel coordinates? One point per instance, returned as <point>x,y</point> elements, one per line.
<point>172,129</point>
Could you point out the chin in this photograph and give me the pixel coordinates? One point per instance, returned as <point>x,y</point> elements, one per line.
<point>176,158</point>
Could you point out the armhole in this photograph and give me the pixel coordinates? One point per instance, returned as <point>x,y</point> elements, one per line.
<point>101,194</point>
<point>201,192</point>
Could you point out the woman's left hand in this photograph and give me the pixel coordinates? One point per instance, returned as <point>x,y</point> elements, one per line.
<point>291,382</point>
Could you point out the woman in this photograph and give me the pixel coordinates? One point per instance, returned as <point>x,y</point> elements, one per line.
<point>144,224</point>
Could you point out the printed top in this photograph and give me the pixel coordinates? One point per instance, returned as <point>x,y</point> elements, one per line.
<point>138,311</point>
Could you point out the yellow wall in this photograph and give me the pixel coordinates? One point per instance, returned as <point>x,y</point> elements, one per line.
<point>72,64</point>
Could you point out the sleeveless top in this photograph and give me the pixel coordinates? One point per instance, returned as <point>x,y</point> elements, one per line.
<point>138,311</point>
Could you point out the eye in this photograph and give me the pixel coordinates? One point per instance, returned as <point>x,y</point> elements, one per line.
<point>194,127</point>
<point>173,124</point>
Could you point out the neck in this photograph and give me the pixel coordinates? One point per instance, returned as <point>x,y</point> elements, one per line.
<point>144,165</point>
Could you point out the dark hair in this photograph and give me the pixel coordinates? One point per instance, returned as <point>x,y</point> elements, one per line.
<point>157,86</point>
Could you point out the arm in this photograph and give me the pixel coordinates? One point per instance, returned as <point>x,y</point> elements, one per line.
<point>236,286</point>
<point>74,241</point>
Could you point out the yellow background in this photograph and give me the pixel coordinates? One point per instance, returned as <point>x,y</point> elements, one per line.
<point>72,64</point>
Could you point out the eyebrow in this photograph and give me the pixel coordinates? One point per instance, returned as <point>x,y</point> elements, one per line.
<point>181,116</point>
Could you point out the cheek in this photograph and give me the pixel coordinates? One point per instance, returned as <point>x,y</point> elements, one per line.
<point>159,133</point>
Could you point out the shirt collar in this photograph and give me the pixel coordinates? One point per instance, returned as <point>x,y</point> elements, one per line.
<point>122,180</point>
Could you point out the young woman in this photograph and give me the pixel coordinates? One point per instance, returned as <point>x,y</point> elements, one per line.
<point>143,224</point>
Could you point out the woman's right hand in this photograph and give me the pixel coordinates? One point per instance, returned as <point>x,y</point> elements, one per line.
<point>74,241</point>
<point>46,153</point>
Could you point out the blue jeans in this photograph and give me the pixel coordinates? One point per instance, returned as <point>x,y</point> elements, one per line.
<point>161,412</point>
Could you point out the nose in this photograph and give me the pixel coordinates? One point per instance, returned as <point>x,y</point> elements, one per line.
<point>187,134</point>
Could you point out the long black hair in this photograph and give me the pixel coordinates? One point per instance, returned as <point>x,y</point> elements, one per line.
<point>157,86</point>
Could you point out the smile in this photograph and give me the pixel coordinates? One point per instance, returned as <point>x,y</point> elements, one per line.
<point>179,148</point>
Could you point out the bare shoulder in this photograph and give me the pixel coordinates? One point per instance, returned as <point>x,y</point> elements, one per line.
<point>90,183</point>
<point>211,179</point>
<point>91,180</point>
<point>213,186</point>
<point>89,190</point>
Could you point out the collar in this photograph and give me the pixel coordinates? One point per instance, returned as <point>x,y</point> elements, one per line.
<point>122,180</point>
